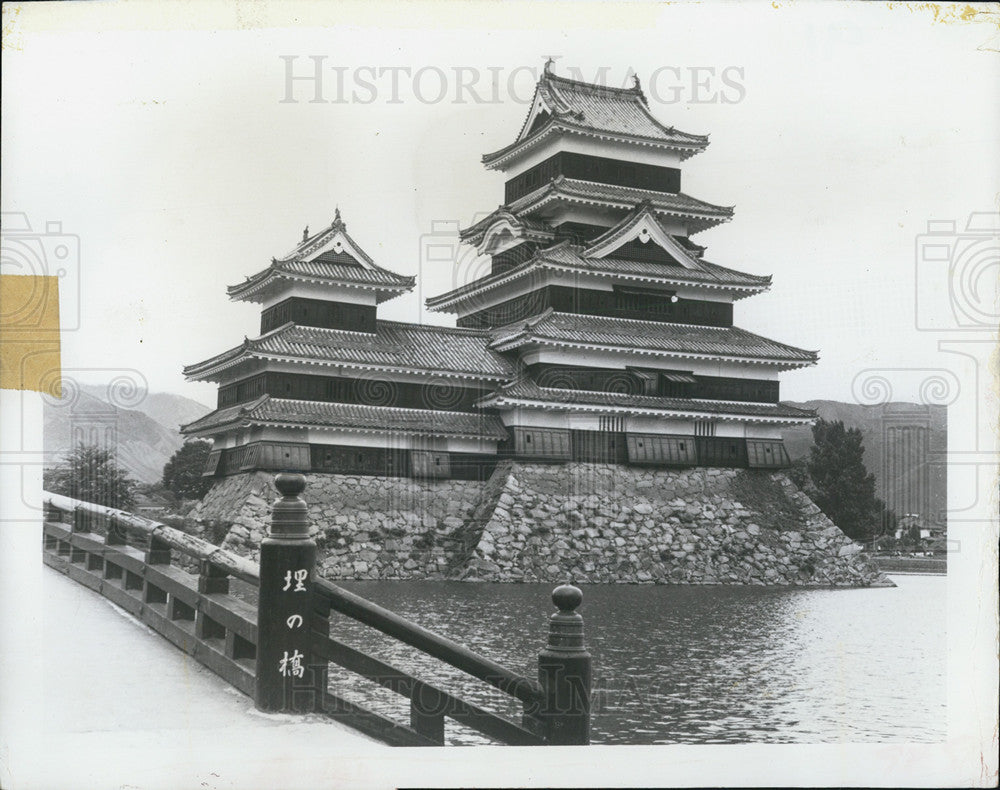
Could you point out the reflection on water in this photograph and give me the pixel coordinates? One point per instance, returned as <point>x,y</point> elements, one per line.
<point>696,664</point>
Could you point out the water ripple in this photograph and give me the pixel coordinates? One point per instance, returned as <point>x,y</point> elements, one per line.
<point>695,664</point>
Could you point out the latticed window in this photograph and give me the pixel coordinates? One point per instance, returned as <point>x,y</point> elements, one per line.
<point>704,428</point>
<point>613,424</point>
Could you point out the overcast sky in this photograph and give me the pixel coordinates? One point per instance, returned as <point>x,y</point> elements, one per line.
<point>837,132</point>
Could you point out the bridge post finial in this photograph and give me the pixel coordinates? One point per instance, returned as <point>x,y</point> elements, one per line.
<point>564,673</point>
<point>288,680</point>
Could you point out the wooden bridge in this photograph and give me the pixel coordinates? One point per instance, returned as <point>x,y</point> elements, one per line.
<point>279,651</point>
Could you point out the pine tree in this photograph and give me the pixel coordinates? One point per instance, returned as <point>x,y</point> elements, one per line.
<point>92,474</point>
<point>843,487</point>
<point>182,473</point>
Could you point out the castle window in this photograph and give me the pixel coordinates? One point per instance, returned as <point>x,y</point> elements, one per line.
<point>704,428</point>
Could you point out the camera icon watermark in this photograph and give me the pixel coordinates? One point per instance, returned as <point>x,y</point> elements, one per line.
<point>446,262</point>
<point>52,253</point>
<point>958,275</point>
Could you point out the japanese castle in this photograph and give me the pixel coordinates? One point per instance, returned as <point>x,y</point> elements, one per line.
<point>601,333</point>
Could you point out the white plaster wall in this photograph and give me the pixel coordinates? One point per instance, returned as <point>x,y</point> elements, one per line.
<point>534,418</point>
<point>730,429</point>
<point>659,425</point>
<point>763,432</point>
<point>271,434</point>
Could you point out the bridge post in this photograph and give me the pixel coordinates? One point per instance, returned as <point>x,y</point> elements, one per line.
<point>564,673</point>
<point>284,676</point>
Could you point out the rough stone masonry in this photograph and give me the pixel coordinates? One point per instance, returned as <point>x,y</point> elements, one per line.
<point>550,523</point>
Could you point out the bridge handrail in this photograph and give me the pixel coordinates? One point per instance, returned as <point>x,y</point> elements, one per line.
<point>191,545</point>
<point>343,601</point>
<point>441,647</point>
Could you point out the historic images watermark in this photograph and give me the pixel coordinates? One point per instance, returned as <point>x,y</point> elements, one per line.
<point>319,79</point>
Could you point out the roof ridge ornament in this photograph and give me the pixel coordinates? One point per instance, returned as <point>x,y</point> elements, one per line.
<point>305,234</point>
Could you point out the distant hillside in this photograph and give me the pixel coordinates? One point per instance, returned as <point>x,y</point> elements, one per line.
<point>895,465</point>
<point>172,411</point>
<point>145,435</point>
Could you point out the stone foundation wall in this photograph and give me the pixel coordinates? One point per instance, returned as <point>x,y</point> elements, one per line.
<point>365,527</point>
<point>547,523</point>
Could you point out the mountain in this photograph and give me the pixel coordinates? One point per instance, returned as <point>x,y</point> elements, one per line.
<point>142,429</point>
<point>171,410</point>
<point>904,448</point>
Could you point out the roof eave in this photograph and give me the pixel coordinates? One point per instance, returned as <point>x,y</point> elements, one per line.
<point>451,301</point>
<point>496,160</point>
<point>379,430</point>
<point>251,291</point>
<point>523,338</point>
<point>502,401</point>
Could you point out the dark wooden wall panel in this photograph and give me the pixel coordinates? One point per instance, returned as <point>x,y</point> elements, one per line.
<point>320,313</point>
<point>601,169</point>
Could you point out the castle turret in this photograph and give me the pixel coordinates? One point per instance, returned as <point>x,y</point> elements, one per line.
<point>622,326</point>
<point>328,386</point>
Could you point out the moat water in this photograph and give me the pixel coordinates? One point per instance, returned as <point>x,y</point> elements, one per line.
<point>695,664</point>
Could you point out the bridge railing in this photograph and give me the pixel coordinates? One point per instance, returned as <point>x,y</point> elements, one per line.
<point>279,651</point>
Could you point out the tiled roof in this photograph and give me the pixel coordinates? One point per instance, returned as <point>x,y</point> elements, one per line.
<point>474,233</point>
<point>225,416</point>
<point>526,391</point>
<point>306,248</point>
<point>393,346</point>
<point>386,282</point>
<point>598,110</point>
<point>567,257</point>
<point>623,197</point>
<point>351,417</point>
<point>648,337</point>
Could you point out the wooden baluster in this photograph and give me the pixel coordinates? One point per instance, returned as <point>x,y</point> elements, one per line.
<point>50,515</point>
<point>564,672</point>
<point>284,605</point>
<point>427,712</point>
<point>81,520</point>
<point>117,534</point>
<point>321,669</point>
<point>211,580</point>
<point>157,553</point>
<point>81,526</point>
<point>99,523</point>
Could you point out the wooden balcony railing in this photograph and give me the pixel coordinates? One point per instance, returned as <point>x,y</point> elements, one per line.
<point>279,651</point>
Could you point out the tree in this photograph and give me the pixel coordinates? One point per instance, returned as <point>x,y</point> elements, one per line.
<point>92,474</point>
<point>843,487</point>
<point>182,473</point>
